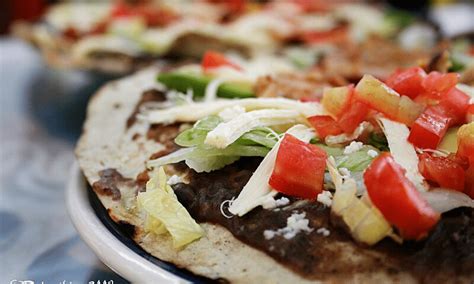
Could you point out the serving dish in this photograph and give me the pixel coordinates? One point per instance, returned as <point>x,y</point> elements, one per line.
<point>111,241</point>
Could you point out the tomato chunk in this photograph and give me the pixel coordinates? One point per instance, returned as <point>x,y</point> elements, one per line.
<point>436,83</point>
<point>429,128</point>
<point>335,35</point>
<point>443,171</point>
<point>212,59</point>
<point>469,185</point>
<point>397,198</point>
<point>407,82</point>
<point>324,125</point>
<point>470,113</point>
<point>353,116</point>
<point>299,168</point>
<point>455,104</point>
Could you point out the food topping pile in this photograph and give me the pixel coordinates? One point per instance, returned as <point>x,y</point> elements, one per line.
<point>388,157</point>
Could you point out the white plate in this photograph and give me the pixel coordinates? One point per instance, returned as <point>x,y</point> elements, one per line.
<point>111,251</point>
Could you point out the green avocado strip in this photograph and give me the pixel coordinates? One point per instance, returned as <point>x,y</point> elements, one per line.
<point>182,82</point>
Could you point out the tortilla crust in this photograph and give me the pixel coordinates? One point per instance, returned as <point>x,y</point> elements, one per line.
<point>107,143</point>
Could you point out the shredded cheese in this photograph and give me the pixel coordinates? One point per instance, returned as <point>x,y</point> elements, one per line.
<point>403,151</point>
<point>195,111</point>
<point>227,132</point>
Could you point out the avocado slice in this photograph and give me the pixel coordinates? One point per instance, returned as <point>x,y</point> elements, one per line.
<point>181,82</point>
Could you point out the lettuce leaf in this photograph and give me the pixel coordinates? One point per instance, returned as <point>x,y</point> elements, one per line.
<point>164,213</point>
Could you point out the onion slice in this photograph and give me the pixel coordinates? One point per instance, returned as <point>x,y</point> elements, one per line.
<point>444,200</point>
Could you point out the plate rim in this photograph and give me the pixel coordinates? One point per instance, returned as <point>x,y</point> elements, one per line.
<point>110,250</point>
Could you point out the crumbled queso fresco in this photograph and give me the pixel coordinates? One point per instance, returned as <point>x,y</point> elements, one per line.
<point>353,147</point>
<point>270,202</point>
<point>323,231</point>
<point>325,198</point>
<point>294,224</point>
<point>372,153</point>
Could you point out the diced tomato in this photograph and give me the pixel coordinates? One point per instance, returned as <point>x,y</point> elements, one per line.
<point>469,185</point>
<point>470,113</point>
<point>455,104</point>
<point>233,6</point>
<point>429,128</point>
<point>407,82</point>
<point>324,125</point>
<point>212,59</point>
<point>436,83</point>
<point>398,199</point>
<point>354,116</point>
<point>335,35</point>
<point>120,9</point>
<point>299,168</point>
<point>315,99</point>
<point>314,5</point>
<point>153,16</point>
<point>71,33</point>
<point>466,142</point>
<point>337,100</point>
<point>443,171</point>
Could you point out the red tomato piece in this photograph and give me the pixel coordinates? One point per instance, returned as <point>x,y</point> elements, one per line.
<point>407,82</point>
<point>429,128</point>
<point>455,104</point>
<point>443,171</point>
<point>397,198</point>
<point>212,59</point>
<point>335,35</point>
<point>469,185</point>
<point>299,168</point>
<point>315,99</point>
<point>353,116</point>
<point>325,125</point>
<point>121,9</point>
<point>436,83</point>
<point>470,113</point>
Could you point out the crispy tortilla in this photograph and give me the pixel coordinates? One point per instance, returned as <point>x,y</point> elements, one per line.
<point>107,143</point>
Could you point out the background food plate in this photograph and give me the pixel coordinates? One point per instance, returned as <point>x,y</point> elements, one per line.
<point>111,242</point>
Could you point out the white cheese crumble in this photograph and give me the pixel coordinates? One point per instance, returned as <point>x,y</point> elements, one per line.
<point>372,153</point>
<point>294,224</point>
<point>325,198</point>
<point>323,231</point>
<point>231,112</point>
<point>174,179</point>
<point>270,202</point>
<point>353,147</point>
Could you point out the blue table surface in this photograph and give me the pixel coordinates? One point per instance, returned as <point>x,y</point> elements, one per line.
<point>39,124</point>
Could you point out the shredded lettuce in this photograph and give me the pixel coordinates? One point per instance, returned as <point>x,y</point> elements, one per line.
<point>204,158</point>
<point>164,213</point>
<point>357,161</point>
<point>197,134</point>
<point>228,132</point>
